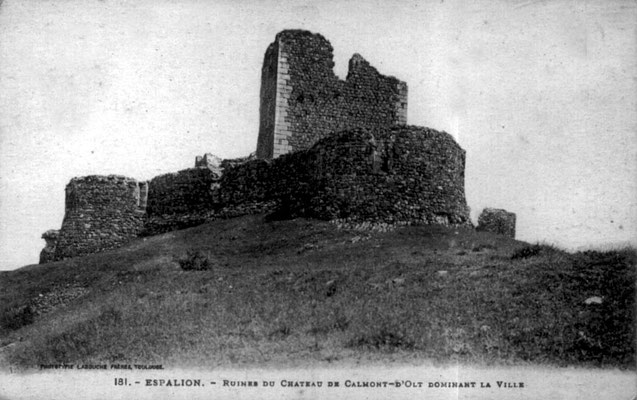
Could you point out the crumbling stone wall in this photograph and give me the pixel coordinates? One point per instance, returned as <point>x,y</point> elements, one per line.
<point>327,148</point>
<point>388,174</point>
<point>497,221</point>
<point>181,199</point>
<point>257,186</point>
<point>246,183</point>
<point>403,173</point>
<point>102,212</point>
<point>47,254</point>
<point>302,100</point>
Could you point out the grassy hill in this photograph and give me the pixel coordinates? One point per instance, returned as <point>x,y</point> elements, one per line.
<point>249,291</point>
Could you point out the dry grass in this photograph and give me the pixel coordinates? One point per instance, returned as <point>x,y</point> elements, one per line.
<point>301,291</point>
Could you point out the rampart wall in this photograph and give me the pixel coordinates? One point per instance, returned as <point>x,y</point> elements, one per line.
<point>180,199</point>
<point>101,212</point>
<point>403,173</point>
<point>302,99</point>
<point>391,174</point>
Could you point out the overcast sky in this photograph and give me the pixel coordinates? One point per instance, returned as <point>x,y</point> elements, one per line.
<point>541,95</point>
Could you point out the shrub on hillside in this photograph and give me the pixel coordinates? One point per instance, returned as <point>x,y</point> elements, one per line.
<point>527,252</point>
<point>194,261</point>
<point>16,317</point>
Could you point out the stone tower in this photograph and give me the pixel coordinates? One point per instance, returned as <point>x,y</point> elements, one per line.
<point>302,99</point>
<point>101,213</point>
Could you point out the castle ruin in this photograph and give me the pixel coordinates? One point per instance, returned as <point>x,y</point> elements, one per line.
<point>302,99</point>
<point>326,148</point>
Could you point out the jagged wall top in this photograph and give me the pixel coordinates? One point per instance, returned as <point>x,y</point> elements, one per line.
<point>302,99</point>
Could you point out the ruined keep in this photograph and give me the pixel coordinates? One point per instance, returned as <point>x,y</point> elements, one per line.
<point>302,99</point>
<point>101,212</point>
<point>327,149</point>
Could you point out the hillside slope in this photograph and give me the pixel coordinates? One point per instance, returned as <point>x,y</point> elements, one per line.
<point>302,291</point>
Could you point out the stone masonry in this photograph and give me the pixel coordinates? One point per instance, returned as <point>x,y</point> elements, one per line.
<point>398,174</point>
<point>302,100</point>
<point>102,212</point>
<point>181,199</point>
<point>327,149</point>
<point>403,173</point>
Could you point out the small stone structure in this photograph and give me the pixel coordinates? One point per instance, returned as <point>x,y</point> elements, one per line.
<point>102,212</point>
<point>209,161</point>
<point>302,99</point>
<point>327,148</point>
<point>498,221</point>
<point>48,252</point>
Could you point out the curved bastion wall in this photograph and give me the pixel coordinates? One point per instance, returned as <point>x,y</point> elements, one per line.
<point>101,212</point>
<point>402,173</point>
<point>391,174</point>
